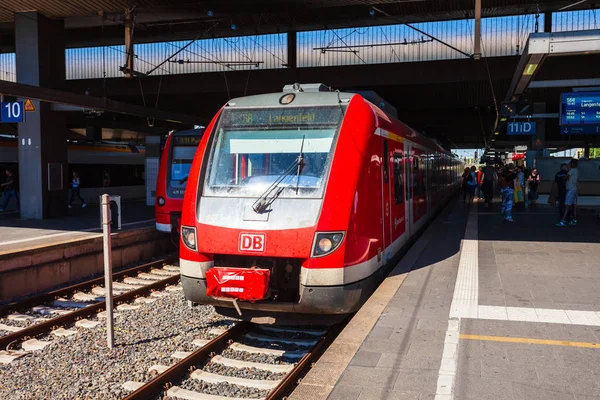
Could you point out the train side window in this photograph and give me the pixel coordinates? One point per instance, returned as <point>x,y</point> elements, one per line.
<point>416,173</point>
<point>385,161</point>
<point>398,184</point>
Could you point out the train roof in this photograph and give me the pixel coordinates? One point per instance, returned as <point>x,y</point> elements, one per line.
<point>319,94</point>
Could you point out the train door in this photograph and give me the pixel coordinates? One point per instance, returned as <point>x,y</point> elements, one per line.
<point>397,196</point>
<point>386,206</point>
<point>419,188</point>
<point>408,204</point>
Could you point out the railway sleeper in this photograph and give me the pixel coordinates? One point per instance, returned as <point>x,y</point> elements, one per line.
<point>273,352</point>
<point>271,339</point>
<point>184,394</point>
<point>8,356</point>
<point>275,368</point>
<point>233,380</point>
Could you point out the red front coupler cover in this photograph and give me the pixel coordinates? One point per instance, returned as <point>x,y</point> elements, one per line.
<point>239,283</point>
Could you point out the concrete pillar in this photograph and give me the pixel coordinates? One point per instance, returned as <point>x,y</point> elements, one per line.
<point>43,168</point>
<point>548,22</point>
<point>292,54</point>
<point>152,165</point>
<point>586,150</point>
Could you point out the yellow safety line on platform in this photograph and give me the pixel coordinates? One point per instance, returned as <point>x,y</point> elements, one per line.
<point>531,341</point>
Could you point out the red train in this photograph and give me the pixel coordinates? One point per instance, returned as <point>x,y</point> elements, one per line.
<point>300,202</point>
<point>175,162</point>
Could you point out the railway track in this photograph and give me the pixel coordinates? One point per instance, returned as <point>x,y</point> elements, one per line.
<point>222,364</point>
<point>21,322</point>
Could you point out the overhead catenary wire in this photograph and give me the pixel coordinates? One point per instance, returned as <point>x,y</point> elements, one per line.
<point>423,33</point>
<point>183,48</point>
<point>253,56</point>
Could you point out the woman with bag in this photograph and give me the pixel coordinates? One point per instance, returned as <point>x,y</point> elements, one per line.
<point>533,181</point>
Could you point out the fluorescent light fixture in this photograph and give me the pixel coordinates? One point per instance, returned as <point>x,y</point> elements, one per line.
<point>530,69</point>
<point>496,133</point>
<point>503,119</point>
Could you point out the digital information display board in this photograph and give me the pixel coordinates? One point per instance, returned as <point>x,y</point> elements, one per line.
<point>187,140</point>
<point>581,108</point>
<point>275,117</point>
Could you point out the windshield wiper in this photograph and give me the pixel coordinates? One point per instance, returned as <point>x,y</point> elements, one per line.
<point>264,201</point>
<point>184,179</point>
<point>300,162</point>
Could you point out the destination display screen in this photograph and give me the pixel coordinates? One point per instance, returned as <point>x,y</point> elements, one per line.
<point>278,117</point>
<point>187,140</point>
<point>581,108</point>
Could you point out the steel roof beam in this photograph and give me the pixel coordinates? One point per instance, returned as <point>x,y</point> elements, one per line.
<point>22,90</point>
<point>540,46</point>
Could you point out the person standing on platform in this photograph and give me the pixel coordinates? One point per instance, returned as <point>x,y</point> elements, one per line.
<point>479,176</point>
<point>10,189</point>
<point>561,184</point>
<point>507,183</point>
<point>466,176</point>
<point>76,184</point>
<point>571,195</point>
<point>487,183</point>
<point>472,183</point>
<point>533,182</point>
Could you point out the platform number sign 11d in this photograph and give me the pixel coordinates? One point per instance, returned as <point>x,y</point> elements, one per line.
<point>11,111</point>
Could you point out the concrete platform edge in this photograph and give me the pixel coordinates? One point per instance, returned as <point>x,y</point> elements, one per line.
<point>320,381</point>
<point>48,267</point>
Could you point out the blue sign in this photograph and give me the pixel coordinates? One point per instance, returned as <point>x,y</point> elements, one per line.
<point>11,111</point>
<point>580,108</point>
<point>521,128</point>
<point>580,130</point>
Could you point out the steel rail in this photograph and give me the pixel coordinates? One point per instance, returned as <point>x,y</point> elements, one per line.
<point>150,389</point>
<point>291,378</point>
<point>49,296</point>
<point>47,326</point>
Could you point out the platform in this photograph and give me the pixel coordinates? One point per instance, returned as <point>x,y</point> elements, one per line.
<point>477,309</point>
<point>37,256</point>
<point>80,223</point>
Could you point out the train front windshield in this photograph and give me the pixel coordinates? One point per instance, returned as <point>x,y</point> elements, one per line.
<point>182,155</point>
<point>253,149</point>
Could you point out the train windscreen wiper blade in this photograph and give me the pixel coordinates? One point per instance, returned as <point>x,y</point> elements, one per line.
<point>264,201</point>
<point>300,160</point>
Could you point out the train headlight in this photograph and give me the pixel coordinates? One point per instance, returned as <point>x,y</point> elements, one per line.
<point>161,201</point>
<point>326,242</point>
<point>188,235</point>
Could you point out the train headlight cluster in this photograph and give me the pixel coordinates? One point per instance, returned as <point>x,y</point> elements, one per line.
<point>161,201</point>
<point>326,242</point>
<point>189,237</point>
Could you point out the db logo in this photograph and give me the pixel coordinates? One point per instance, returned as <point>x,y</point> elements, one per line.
<point>252,242</point>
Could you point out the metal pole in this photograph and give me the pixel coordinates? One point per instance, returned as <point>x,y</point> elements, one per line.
<point>128,43</point>
<point>110,334</point>
<point>477,50</point>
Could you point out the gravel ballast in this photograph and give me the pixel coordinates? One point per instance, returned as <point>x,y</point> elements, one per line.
<point>82,366</point>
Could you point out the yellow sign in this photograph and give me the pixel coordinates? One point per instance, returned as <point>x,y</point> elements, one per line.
<point>29,105</point>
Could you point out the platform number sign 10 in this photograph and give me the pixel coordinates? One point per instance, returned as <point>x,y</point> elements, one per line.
<point>11,111</point>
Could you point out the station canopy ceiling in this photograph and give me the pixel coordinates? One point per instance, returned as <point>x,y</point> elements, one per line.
<point>157,17</point>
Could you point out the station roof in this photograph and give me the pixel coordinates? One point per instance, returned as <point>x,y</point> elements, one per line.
<point>99,21</point>
<point>462,90</point>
